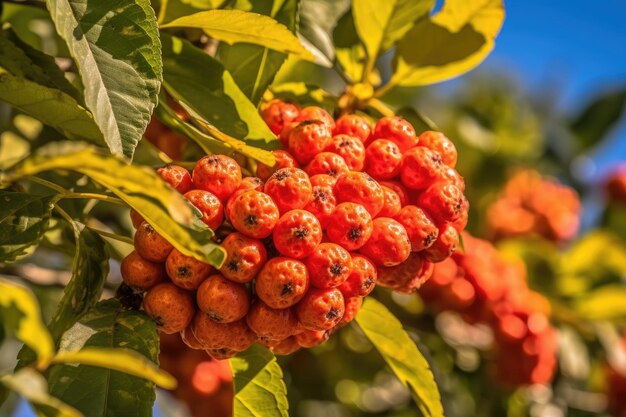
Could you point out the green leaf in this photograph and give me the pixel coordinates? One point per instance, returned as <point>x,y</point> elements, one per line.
<point>380,24</point>
<point>259,387</point>
<point>452,42</point>
<point>34,84</point>
<point>254,67</point>
<point>201,82</point>
<point>401,354</point>
<point>97,391</point>
<point>118,359</point>
<point>172,9</point>
<point>420,122</point>
<point>20,314</point>
<point>318,18</point>
<point>234,26</point>
<point>31,385</point>
<point>305,95</point>
<point>89,272</point>
<point>164,208</point>
<point>606,303</point>
<point>595,121</point>
<point>115,45</point>
<point>24,219</point>
<point>349,50</point>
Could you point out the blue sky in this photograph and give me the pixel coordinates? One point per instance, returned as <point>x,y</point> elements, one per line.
<point>575,46</point>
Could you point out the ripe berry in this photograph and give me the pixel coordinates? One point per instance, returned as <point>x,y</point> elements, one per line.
<point>389,244</point>
<point>139,273</point>
<point>444,202</point>
<point>397,130</point>
<point>321,309</point>
<point>420,168</point>
<point>297,233</point>
<point>360,188</point>
<point>392,203</point>
<point>135,218</point>
<point>351,149</point>
<point>277,113</point>
<point>269,323</point>
<point>308,139</point>
<point>316,113</point>
<point>419,226</point>
<point>171,307</point>
<point>438,142</point>
<point>186,271</point>
<point>222,300</point>
<point>235,336</point>
<point>353,125</point>
<point>209,205</point>
<point>361,280</point>
<point>382,159</point>
<point>312,338</point>
<point>352,307</point>
<point>283,160</point>
<point>218,174</point>
<point>285,347</point>
<point>445,245</point>
<point>327,163</point>
<point>323,180</point>
<point>284,135</point>
<point>329,265</point>
<point>150,245</point>
<point>407,277</point>
<point>350,226</point>
<point>322,203</point>
<point>399,189</point>
<point>253,213</point>
<point>450,175</point>
<point>189,338</point>
<point>176,176</point>
<point>245,257</point>
<point>282,282</point>
<point>251,183</point>
<point>289,188</point>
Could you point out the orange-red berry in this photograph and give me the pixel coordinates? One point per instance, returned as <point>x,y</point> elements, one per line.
<point>176,176</point>
<point>321,309</point>
<point>438,142</point>
<point>329,265</point>
<point>282,282</point>
<point>297,234</point>
<point>270,323</point>
<point>350,225</point>
<point>253,213</point>
<point>420,168</point>
<point>141,274</point>
<point>351,149</point>
<point>353,125</point>
<point>186,271</point>
<point>171,307</point>
<point>222,300</point>
<point>397,130</point>
<point>328,163</point>
<point>383,159</point>
<point>219,174</point>
<point>389,244</point>
<point>360,188</point>
<point>150,245</point>
<point>209,205</point>
<point>445,245</point>
<point>318,114</point>
<point>245,257</point>
<point>289,188</point>
<point>308,139</point>
<point>283,160</point>
<point>362,278</point>
<point>277,113</point>
<point>419,226</point>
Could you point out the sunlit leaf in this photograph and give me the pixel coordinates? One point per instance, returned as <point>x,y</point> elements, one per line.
<point>201,82</point>
<point>305,95</point>
<point>98,391</point>
<point>606,303</point>
<point>318,19</point>
<point>24,219</point>
<point>452,42</point>
<point>259,387</point>
<point>254,67</point>
<point>118,359</point>
<point>20,315</point>
<point>401,354</point>
<point>164,208</point>
<point>31,385</point>
<point>598,118</point>
<point>172,9</point>
<point>349,50</point>
<point>115,45</point>
<point>233,26</point>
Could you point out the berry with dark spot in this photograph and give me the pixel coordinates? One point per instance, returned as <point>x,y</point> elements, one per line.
<point>360,188</point>
<point>271,324</point>
<point>171,307</point>
<point>283,160</point>
<point>209,205</point>
<point>235,336</point>
<point>329,265</point>
<point>218,174</point>
<point>397,130</point>
<point>420,168</point>
<point>321,309</point>
<point>282,282</point>
<point>389,244</point>
<point>253,213</point>
<point>322,203</point>
<point>278,113</point>
<point>444,202</point>
<point>289,188</point>
<point>297,233</point>
<point>445,245</point>
<point>312,338</point>
<point>318,114</point>
<point>176,176</point>
<point>361,280</point>
<point>150,245</point>
<point>328,163</point>
<point>438,142</point>
<point>141,274</point>
<point>222,300</point>
<point>350,225</point>
<point>351,149</point>
<point>245,257</point>
<point>353,125</point>
<point>392,203</point>
<point>185,271</point>
<point>383,159</point>
<point>308,139</point>
<point>407,277</point>
<point>419,226</point>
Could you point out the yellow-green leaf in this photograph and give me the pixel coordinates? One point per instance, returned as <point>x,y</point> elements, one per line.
<point>401,354</point>
<point>259,387</point>
<point>232,26</point>
<point>452,42</point>
<point>20,314</point>
<point>31,385</point>
<point>607,303</point>
<point>140,187</point>
<point>118,359</point>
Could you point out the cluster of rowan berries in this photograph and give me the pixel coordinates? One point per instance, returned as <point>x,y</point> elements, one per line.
<point>482,286</point>
<point>344,207</point>
<point>532,205</point>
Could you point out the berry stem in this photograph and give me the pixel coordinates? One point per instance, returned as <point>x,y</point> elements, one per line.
<point>381,91</point>
<point>114,236</point>
<point>50,185</point>
<point>380,107</point>
<point>95,196</point>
